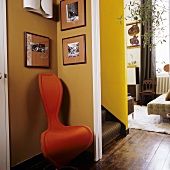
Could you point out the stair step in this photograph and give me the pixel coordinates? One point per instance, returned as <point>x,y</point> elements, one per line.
<point>110,131</point>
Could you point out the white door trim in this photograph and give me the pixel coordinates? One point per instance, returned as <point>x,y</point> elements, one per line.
<point>95,21</point>
<point>5,164</point>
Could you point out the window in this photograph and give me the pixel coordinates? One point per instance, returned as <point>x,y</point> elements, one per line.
<point>162,50</point>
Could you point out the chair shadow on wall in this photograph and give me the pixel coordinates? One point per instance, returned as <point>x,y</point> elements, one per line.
<point>65,105</point>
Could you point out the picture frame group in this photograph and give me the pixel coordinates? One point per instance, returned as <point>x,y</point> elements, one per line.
<point>74,49</point>
<point>37,49</point>
<point>72,14</point>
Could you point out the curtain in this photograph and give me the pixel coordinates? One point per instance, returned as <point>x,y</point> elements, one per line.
<point>148,57</point>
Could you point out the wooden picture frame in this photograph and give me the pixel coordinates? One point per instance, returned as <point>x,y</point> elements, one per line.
<point>133,34</point>
<point>72,14</point>
<point>74,50</point>
<point>36,50</point>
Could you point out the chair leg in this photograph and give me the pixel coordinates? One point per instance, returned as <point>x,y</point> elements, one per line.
<point>140,100</point>
<point>153,96</point>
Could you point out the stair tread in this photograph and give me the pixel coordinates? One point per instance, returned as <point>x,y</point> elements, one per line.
<point>110,131</point>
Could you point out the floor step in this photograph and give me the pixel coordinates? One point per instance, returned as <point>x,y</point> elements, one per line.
<point>111,129</point>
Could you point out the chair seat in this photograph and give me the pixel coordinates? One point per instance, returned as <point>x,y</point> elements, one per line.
<point>65,143</point>
<point>148,91</point>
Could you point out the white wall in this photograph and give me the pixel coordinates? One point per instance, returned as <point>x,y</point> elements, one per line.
<point>132,53</point>
<point>162,50</point>
<point>135,51</point>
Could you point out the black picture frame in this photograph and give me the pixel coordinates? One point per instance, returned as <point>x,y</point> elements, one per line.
<point>37,50</point>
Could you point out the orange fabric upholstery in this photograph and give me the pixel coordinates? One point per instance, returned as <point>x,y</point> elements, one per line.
<point>60,143</point>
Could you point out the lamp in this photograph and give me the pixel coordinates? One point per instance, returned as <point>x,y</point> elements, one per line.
<point>167,68</point>
<point>43,7</point>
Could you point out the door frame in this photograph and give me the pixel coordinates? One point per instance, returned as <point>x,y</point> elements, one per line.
<point>95,21</point>
<point>6,145</point>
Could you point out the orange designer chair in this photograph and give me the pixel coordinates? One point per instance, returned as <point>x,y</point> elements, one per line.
<point>60,143</point>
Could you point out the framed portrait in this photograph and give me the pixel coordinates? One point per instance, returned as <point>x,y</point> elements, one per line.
<point>133,34</point>
<point>36,50</point>
<point>74,50</point>
<point>72,14</point>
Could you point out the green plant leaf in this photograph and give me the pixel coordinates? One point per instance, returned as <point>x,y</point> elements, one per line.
<point>145,12</point>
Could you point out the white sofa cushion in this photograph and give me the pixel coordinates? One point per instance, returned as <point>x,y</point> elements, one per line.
<point>159,106</point>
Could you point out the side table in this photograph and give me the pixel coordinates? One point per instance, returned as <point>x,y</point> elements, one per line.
<point>131,106</point>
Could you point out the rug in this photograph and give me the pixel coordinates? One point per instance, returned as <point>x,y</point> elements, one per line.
<point>147,122</point>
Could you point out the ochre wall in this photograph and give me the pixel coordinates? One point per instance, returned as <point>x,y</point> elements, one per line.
<point>78,92</point>
<point>27,116</point>
<point>113,67</point>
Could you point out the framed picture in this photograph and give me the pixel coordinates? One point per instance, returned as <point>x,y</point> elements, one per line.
<point>72,14</point>
<point>74,50</point>
<point>36,50</point>
<point>133,34</point>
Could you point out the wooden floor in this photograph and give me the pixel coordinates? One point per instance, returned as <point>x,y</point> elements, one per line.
<point>140,150</point>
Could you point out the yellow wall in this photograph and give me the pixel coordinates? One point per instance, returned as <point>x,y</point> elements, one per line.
<point>113,80</point>
<point>27,116</point>
<point>78,102</point>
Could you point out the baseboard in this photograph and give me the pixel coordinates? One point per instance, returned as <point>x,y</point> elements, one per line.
<point>29,162</point>
<point>39,162</point>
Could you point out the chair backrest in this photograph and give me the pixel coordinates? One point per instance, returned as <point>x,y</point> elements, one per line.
<point>51,92</point>
<point>149,85</point>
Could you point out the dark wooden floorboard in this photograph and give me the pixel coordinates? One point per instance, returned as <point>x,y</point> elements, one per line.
<point>158,160</point>
<point>140,150</point>
<point>167,163</point>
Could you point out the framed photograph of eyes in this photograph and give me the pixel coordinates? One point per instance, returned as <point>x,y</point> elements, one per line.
<point>72,14</point>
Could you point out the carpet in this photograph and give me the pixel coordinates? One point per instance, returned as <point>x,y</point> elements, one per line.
<point>147,122</point>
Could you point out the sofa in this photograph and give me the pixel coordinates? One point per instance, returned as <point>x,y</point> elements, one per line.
<point>159,106</point>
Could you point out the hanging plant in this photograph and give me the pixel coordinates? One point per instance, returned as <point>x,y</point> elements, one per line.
<point>145,13</point>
